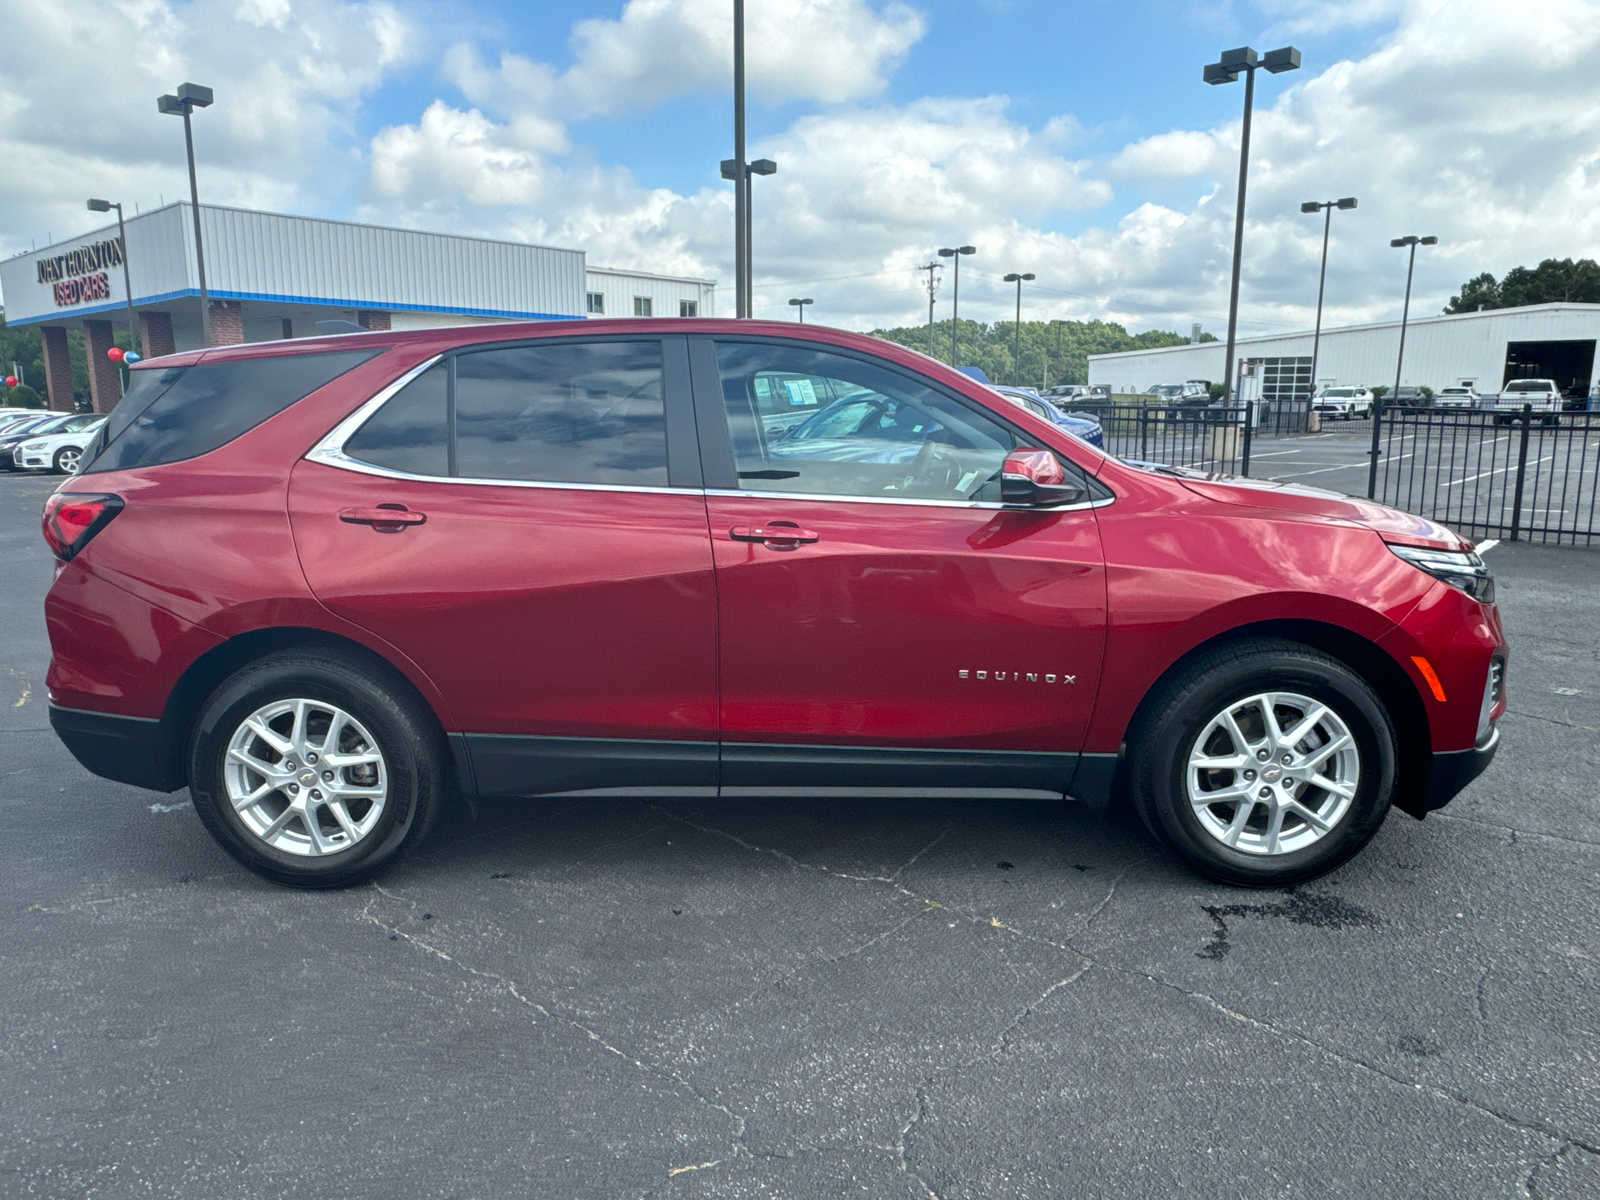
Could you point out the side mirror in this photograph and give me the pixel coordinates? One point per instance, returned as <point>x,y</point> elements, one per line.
<point>1036,478</point>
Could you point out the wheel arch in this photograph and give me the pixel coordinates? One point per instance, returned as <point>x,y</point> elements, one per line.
<point>1366,658</point>
<point>203,676</point>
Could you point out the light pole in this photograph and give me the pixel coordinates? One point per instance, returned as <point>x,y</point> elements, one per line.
<point>955,293</point>
<point>736,164</point>
<point>1412,241</point>
<point>800,308</point>
<point>1327,207</point>
<point>730,170</point>
<point>1016,330</point>
<point>190,97</point>
<point>1232,64</point>
<point>127,285</point>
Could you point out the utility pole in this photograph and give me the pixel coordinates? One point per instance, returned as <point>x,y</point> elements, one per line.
<point>933,284</point>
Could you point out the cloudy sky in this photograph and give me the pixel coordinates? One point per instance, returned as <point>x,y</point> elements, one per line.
<point>1070,138</point>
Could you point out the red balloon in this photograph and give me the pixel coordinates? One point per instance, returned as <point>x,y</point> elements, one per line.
<point>114,354</point>
<point>11,381</point>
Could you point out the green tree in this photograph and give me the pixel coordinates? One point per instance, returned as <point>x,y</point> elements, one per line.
<point>1479,292</point>
<point>1051,351</point>
<point>1553,281</point>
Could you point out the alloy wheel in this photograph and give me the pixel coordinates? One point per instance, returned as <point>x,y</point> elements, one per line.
<point>1272,773</point>
<point>305,777</point>
<point>69,461</point>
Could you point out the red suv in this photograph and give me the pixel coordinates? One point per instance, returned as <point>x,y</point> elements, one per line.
<point>325,583</point>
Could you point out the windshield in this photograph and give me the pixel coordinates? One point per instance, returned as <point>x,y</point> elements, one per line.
<point>1340,393</point>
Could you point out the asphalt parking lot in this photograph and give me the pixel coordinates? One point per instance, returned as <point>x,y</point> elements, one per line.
<point>798,999</point>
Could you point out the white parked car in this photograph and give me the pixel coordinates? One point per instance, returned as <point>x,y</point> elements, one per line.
<point>1456,397</point>
<point>61,452</point>
<point>1542,394</point>
<point>1343,402</point>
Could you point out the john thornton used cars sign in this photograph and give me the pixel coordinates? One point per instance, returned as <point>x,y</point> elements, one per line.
<point>81,275</point>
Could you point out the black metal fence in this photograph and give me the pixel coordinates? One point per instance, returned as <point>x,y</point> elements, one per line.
<point>1515,475</point>
<point>1206,438</point>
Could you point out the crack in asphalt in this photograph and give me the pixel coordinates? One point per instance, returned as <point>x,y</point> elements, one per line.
<point>1531,1184</point>
<point>1356,916</point>
<point>1347,914</point>
<point>737,1121</point>
<point>1517,712</point>
<point>1511,829</point>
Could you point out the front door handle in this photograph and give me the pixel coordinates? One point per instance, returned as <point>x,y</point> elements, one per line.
<point>775,535</point>
<point>385,518</point>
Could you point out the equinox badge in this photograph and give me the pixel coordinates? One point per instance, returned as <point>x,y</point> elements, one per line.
<point>1016,676</point>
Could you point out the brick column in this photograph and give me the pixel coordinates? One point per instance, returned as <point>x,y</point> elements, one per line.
<point>155,334</point>
<point>57,367</point>
<point>227,323</point>
<point>372,318</point>
<point>105,380</point>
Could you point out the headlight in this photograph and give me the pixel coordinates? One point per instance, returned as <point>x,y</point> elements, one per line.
<point>1460,569</point>
<point>30,447</point>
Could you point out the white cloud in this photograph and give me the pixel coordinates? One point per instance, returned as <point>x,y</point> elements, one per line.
<point>1172,155</point>
<point>78,101</point>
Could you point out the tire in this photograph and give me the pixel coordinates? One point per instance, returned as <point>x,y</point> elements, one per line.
<point>1181,721</point>
<point>68,459</point>
<point>389,797</point>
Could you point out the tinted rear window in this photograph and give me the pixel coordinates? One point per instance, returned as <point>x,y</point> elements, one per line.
<point>181,412</point>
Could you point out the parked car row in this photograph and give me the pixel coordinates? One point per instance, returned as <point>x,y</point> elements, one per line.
<point>48,441</point>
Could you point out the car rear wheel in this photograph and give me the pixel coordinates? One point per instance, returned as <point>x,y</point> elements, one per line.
<point>68,460</point>
<point>1264,763</point>
<point>316,769</point>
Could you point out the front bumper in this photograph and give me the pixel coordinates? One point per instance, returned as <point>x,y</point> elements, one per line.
<point>125,749</point>
<point>1451,771</point>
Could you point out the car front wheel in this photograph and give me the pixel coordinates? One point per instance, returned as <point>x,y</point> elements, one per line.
<point>1264,763</point>
<point>316,769</point>
<point>68,460</point>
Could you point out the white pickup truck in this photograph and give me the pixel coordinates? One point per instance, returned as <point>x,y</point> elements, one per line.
<point>1542,394</point>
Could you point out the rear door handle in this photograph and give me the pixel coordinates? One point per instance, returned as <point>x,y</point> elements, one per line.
<point>776,535</point>
<point>385,518</point>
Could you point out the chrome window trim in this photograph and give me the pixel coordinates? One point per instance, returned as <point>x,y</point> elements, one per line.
<point>816,496</point>
<point>330,452</point>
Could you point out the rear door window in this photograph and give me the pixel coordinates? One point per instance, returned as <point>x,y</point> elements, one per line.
<point>182,412</point>
<point>560,412</point>
<point>576,412</point>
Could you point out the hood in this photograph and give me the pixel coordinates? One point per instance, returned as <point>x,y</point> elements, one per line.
<point>1389,523</point>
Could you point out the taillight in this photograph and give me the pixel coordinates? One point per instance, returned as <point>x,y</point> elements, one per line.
<point>72,518</point>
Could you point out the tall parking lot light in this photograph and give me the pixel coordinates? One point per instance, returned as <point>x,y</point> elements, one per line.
<point>1311,206</point>
<point>955,293</point>
<point>746,272</point>
<point>800,307</point>
<point>190,97</point>
<point>1016,341</point>
<point>737,166</point>
<point>127,285</point>
<point>1412,241</point>
<point>1227,69</point>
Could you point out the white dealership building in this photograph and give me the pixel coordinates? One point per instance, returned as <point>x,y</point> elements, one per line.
<point>1479,349</point>
<point>271,276</point>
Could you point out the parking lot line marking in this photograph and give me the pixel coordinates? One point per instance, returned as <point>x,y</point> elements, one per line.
<point>1484,547</point>
<point>1496,471</point>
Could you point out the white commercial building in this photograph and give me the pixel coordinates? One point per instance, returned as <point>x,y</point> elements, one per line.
<point>271,276</point>
<point>1480,350</point>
